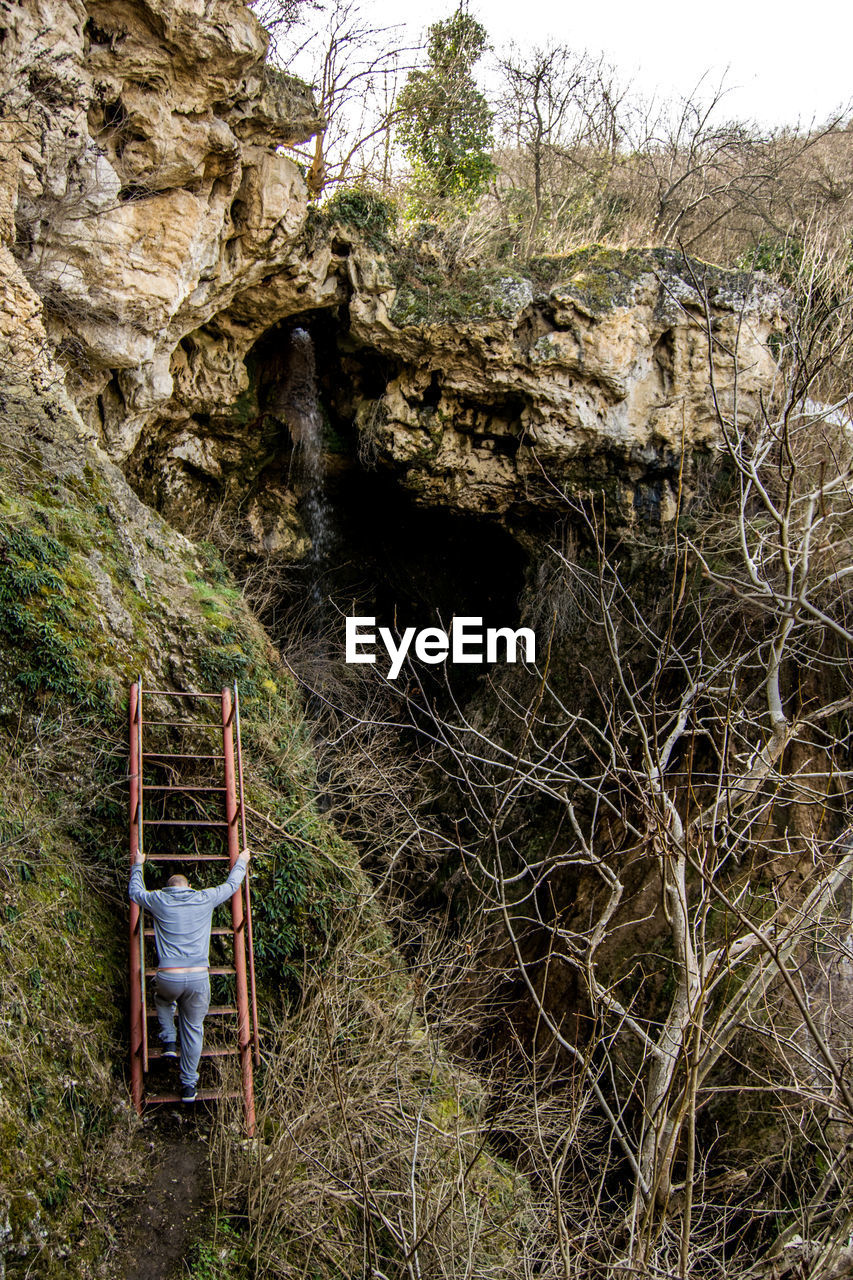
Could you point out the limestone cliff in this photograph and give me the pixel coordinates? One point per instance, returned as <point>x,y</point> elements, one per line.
<point>150,199</point>
<point>497,404</point>
<point>595,378</point>
<point>154,212</point>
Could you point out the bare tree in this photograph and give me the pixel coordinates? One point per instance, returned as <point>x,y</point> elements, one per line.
<point>711,183</point>
<point>559,111</point>
<point>708,776</point>
<point>355,67</point>
<point>653,829</point>
<point>279,18</point>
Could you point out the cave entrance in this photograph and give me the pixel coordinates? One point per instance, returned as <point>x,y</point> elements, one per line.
<point>384,555</point>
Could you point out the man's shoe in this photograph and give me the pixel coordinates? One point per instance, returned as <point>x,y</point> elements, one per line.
<point>188,1093</point>
<point>170,1049</point>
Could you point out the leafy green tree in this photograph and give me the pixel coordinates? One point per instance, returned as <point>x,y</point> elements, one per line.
<point>445,126</point>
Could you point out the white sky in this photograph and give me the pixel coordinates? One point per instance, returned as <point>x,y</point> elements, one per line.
<point>786,63</point>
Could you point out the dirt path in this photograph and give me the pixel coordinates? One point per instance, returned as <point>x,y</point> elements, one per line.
<point>169,1213</point>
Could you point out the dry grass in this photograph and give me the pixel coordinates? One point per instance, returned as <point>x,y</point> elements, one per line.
<point>376,1149</point>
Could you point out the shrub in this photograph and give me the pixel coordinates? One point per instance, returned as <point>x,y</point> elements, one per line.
<point>366,210</point>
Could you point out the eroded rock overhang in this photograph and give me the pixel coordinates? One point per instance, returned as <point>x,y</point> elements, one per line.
<point>602,380</point>
<point>169,237</point>
<point>612,380</point>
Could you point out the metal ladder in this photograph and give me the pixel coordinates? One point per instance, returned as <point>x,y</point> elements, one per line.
<point>229,786</point>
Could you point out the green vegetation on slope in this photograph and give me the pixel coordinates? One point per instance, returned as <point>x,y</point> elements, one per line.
<point>89,598</point>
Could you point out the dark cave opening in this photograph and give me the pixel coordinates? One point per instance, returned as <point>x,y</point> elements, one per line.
<point>389,557</point>
<point>420,566</point>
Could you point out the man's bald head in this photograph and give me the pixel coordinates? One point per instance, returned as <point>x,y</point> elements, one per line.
<point>177,882</point>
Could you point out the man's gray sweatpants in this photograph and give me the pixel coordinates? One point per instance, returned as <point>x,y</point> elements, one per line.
<point>189,993</point>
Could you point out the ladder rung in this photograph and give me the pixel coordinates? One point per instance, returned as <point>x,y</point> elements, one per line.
<point>187,857</point>
<point>177,755</point>
<point>185,822</point>
<point>173,693</point>
<point>176,786</point>
<point>181,724</point>
<point>203,1095</point>
<point>214,1011</point>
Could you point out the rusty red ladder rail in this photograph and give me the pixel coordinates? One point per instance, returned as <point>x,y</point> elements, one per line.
<point>246,1005</point>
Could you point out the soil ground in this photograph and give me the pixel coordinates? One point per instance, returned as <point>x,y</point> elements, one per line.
<point>169,1214</point>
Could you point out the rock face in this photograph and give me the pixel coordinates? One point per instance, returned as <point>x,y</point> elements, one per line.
<point>142,166</point>
<point>153,212</point>
<point>599,380</point>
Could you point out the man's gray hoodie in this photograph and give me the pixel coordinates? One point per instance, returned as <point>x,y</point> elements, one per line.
<point>182,917</point>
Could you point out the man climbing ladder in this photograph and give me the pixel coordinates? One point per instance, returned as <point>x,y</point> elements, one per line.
<point>187,807</point>
<point>182,921</point>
